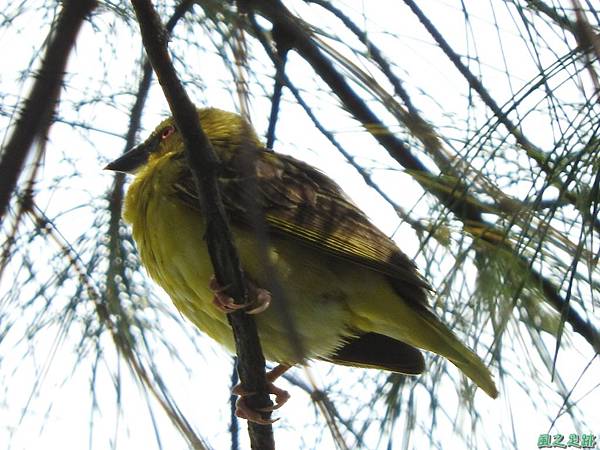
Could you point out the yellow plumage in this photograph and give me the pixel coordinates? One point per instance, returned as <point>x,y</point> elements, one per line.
<point>355,298</point>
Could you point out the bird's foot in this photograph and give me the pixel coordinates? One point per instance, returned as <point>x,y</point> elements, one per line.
<point>244,411</point>
<point>261,298</point>
<point>222,301</point>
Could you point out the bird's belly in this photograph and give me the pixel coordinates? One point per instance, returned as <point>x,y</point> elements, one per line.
<point>174,251</point>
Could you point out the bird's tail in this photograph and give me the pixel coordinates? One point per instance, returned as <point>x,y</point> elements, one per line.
<point>444,342</point>
<point>429,333</point>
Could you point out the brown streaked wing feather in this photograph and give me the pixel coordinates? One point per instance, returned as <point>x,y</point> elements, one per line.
<point>301,202</point>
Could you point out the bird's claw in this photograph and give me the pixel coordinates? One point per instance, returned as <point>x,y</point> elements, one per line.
<point>227,305</point>
<point>261,302</point>
<point>244,411</point>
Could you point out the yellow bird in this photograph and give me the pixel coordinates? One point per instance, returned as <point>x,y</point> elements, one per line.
<point>355,298</point>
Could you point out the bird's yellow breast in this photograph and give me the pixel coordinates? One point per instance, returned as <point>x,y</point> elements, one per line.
<point>170,238</point>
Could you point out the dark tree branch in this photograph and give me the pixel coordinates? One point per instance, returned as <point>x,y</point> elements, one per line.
<point>553,14</point>
<point>36,116</point>
<point>203,165</point>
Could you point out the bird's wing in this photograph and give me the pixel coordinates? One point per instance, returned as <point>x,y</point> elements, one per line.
<point>300,202</point>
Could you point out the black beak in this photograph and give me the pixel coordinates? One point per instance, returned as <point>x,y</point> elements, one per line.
<point>132,160</point>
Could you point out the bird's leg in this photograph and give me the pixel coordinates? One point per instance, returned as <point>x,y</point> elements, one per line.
<point>261,298</point>
<point>244,411</point>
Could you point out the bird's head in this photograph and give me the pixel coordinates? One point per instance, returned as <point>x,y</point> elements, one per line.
<point>225,130</point>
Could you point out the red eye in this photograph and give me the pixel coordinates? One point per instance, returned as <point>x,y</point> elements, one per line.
<point>167,132</point>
